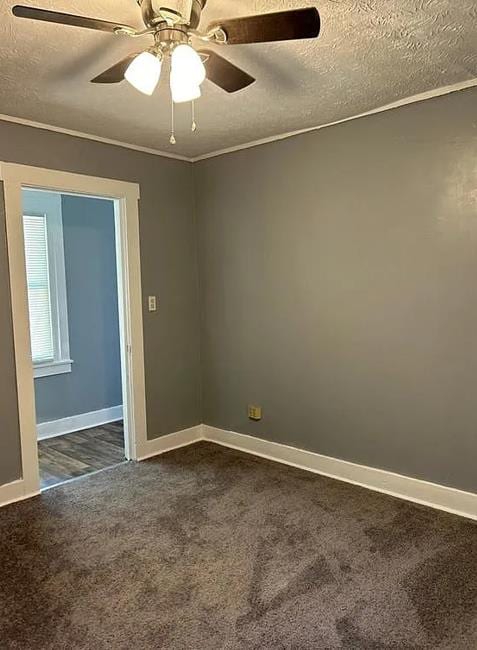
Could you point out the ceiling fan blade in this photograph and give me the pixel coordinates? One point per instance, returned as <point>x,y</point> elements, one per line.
<point>197,7</point>
<point>115,74</point>
<point>224,74</point>
<point>66,19</point>
<point>279,26</point>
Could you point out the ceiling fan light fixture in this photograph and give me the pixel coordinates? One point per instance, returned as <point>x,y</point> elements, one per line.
<point>183,89</point>
<point>144,72</point>
<point>172,30</point>
<point>186,63</point>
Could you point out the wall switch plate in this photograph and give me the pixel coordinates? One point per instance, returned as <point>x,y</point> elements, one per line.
<point>254,412</point>
<point>151,303</point>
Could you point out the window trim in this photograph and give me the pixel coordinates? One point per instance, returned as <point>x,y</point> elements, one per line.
<point>61,363</point>
<point>52,368</point>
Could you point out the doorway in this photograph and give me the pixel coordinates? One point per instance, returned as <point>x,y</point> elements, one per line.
<point>121,433</point>
<point>71,270</point>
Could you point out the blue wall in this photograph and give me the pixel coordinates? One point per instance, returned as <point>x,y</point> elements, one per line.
<point>94,382</point>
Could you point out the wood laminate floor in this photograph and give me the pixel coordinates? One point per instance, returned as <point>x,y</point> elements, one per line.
<point>82,452</point>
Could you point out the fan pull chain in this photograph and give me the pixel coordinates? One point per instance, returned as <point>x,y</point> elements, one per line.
<point>172,139</point>
<point>194,123</point>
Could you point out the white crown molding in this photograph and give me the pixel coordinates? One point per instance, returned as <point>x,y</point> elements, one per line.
<point>431,94</point>
<point>89,136</point>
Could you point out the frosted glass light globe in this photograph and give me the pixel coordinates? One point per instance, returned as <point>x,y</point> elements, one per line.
<point>183,90</point>
<point>144,72</point>
<point>186,63</point>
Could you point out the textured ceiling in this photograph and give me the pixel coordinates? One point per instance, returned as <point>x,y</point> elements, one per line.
<point>370,53</point>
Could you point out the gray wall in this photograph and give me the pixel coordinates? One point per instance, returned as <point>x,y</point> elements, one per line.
<point>337,284</point>
<point>168,266</point>
<point>339,290</point>
<point>91,285</point>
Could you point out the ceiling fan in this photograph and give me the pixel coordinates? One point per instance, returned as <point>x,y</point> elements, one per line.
<point>172,29</point>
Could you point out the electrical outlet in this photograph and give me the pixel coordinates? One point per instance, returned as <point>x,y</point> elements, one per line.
<point>254,412</point>
<point>151,303</point>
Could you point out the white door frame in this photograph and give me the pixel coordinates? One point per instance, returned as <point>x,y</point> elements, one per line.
<point>125,196</point>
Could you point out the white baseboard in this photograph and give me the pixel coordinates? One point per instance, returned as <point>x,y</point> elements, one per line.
<point>170,441</point>
<point>79,422</point>
<point>404,487</point>
<point>430,494</point>
<point>14,491</point>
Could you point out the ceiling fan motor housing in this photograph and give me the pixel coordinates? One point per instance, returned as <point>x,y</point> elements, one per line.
<point>185,12</point>
<point>166,38</point>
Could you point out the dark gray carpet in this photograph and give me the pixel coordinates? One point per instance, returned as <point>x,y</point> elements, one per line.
<point>207,548</point>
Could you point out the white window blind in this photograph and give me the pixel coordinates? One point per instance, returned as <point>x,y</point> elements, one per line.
<point>39,291</point>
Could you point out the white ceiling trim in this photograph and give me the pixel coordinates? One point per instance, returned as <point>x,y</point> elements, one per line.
<point>438,92</point>
<point>89,136</point>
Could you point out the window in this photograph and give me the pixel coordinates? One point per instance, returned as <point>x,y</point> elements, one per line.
<point>46,283</point>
